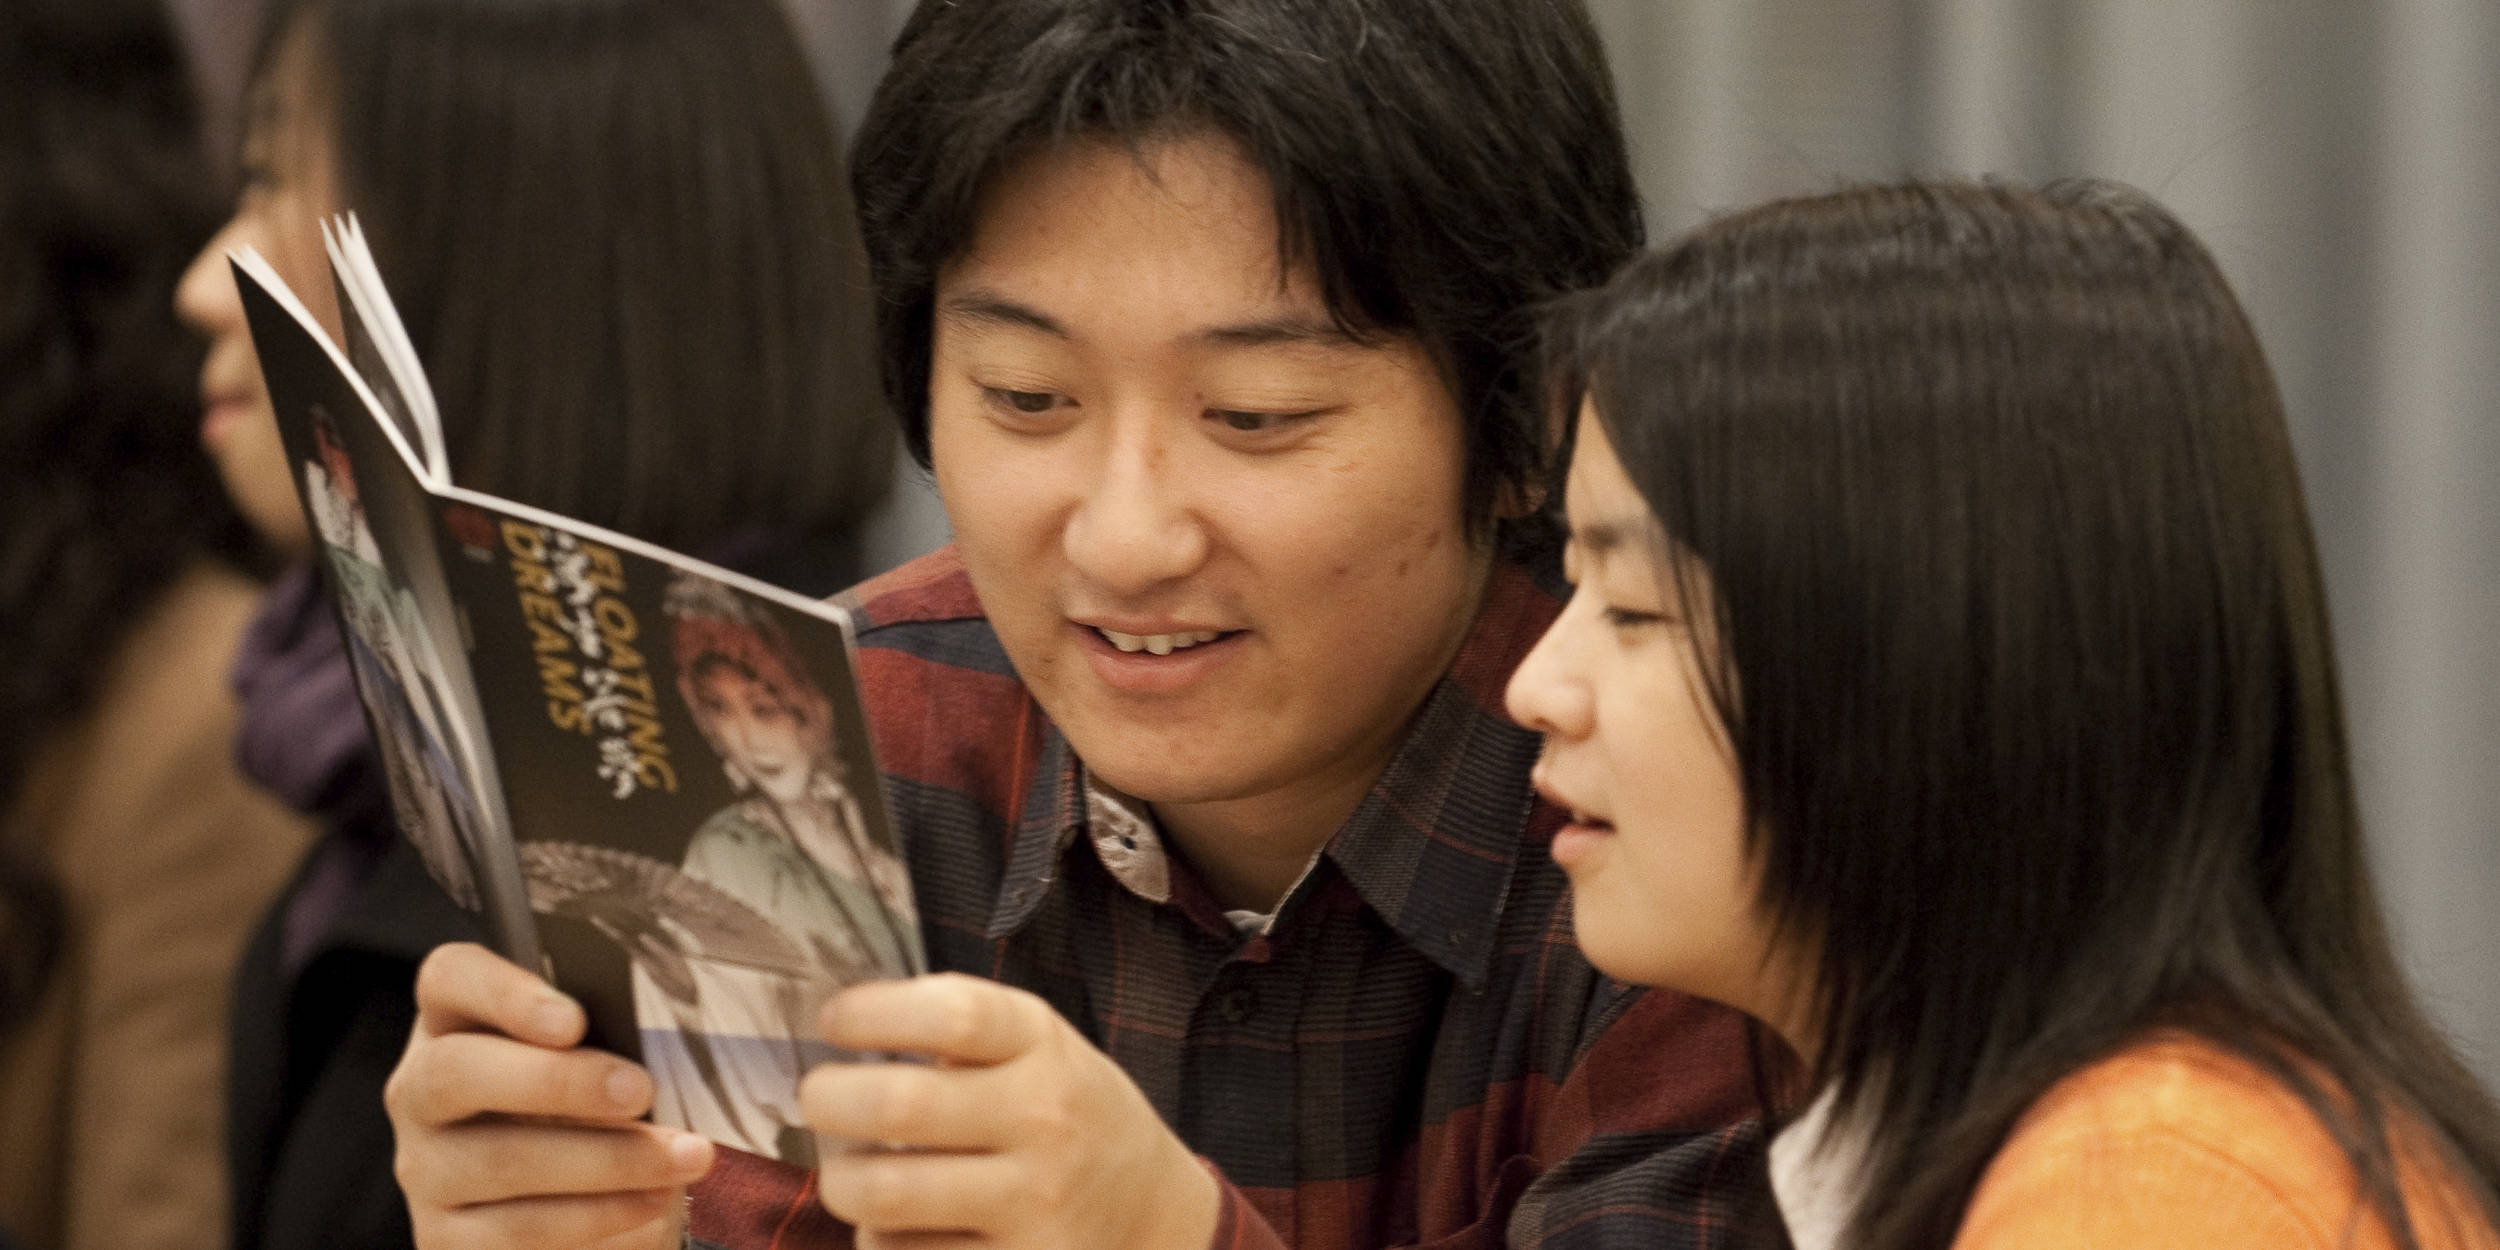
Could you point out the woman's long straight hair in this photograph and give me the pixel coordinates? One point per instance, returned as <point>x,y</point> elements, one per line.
<point>2024,655</point>
<point>620,234</point>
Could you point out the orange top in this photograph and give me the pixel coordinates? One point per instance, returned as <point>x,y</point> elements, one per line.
<point>2177,1144</point>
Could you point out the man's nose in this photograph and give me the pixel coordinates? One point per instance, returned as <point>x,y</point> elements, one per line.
<point>1136,528</point>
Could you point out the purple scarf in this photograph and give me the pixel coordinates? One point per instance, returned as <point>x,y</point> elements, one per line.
<point>304,738</point>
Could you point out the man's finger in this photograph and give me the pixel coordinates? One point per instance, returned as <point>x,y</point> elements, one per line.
<point>498,1161</point>
<point>893,1192</point>
<point>445,1079</point>
<point>949,1016</point>
<point>463,987</point>
<point>643,1220</point>
<point>917,1105</point>
<point>868,1239</point>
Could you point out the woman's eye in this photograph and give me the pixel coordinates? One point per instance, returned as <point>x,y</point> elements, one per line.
<point>1628,618</point>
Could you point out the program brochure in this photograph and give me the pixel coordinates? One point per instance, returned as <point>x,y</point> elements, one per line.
<point>650,776</point>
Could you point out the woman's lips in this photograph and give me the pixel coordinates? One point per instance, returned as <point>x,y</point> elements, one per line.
<point>1579,839</point>
<point>1581,833</point>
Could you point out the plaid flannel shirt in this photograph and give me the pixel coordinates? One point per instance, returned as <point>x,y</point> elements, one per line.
<point>1413,1054</point>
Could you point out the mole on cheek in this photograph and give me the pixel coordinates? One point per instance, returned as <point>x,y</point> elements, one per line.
<point>1423,550</point>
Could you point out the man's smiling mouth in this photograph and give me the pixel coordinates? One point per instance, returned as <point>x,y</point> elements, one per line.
<point>1158,644</point>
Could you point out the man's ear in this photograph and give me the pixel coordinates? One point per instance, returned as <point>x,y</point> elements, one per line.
<point>1518,498</point>
<point>1532,490</point>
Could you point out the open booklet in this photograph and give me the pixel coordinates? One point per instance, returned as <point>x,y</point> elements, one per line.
<point>650,776</point>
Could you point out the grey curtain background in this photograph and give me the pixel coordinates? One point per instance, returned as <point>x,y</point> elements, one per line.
<point>2341,157</point>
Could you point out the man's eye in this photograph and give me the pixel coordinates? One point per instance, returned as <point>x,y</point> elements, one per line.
<point>1030,403</point>
<point>1256,422</point>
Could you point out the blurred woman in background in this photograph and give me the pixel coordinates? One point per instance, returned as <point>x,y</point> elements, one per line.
<point>1948,684</point>
<point>133,855</point>
<point>617,233</point>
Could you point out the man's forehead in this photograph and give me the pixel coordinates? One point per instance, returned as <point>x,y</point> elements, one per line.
<point>981,307</point>
<point>1206,172</point>
<point>1197,203</point>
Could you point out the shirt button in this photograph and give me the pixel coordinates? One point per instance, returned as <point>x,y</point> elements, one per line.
<point>1237,1005</point>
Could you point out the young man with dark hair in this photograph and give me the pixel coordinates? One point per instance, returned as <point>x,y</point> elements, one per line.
<point>1210,318</point>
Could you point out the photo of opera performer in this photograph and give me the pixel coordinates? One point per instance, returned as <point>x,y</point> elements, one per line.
<point>726,1042</point>
<point>398,675</point>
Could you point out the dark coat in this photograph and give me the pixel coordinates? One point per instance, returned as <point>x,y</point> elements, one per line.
<point>310,1142</point>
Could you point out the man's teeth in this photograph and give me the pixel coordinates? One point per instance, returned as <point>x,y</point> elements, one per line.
<point>1159,644</point>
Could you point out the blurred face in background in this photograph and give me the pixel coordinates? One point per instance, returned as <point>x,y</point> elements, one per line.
<point>289,181</point>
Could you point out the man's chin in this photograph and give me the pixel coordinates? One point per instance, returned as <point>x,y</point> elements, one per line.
<point>1163,782</point>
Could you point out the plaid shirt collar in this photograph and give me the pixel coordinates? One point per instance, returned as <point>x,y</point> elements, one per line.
<point>1459,780</point>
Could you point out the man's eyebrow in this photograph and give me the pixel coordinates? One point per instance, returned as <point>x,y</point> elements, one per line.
<point>1290,331</point>
<point>984,307</point>
<point>978,307</point>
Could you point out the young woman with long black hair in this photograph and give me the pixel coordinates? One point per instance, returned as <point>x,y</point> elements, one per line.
<point>1948,684</point>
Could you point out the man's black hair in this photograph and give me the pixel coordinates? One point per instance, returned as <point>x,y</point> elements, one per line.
<point>1442,166</point>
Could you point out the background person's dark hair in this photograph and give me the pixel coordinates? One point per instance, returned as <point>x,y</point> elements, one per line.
<point>1441,166</point>
<point>618,232</point>
<point>105,495</point>
<point>2024,656</point>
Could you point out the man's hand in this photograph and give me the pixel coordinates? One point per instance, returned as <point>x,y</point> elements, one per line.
<point>1020,1133</point>
<point>510,1135</point>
